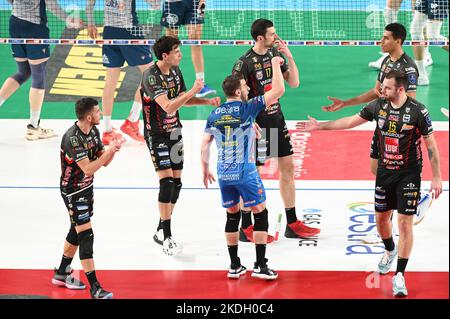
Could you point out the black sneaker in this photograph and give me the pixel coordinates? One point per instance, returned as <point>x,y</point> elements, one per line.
<point>264,272</point>
<point>97,292</point>
<point>158,237</point>
<point>236,270</point>
<point>67,279</point>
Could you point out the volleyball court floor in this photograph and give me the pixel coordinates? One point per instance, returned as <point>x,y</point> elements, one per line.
<point>334,190</point>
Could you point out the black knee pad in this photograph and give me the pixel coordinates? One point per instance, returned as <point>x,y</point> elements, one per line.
<point>72,236</point>
<point>232,224</point>
<point>261,221</point>
<point>38,75</point>
<point>176,190</point>
<point>166,187</point>
<point>23,72</point>
<point>86,240</point>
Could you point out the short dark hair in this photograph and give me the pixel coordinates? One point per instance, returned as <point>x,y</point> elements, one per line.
<point>83,106</point>
<point>165,44</point>
<point>401,79</point>
<point>398,31</point>
<point>231,84</point>
<point>259,27</point>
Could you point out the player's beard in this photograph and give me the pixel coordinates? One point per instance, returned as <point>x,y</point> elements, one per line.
<point>243,97</point>
<point>269,45</point>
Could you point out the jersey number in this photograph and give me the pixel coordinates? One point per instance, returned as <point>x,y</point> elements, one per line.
<point>172,92</point>
<point>392,127</point>
<point>268,72</point>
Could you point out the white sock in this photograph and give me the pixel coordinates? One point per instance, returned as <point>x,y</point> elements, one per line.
<point>34,118</point>
<point>107,123</point>
<point>421,67</point>
<point>2,100</point>
<point>135,112</point>
<point>200,75</point>
<point>390,15</point>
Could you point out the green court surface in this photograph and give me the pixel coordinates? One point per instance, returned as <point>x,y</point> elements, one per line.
<point>335,71</point>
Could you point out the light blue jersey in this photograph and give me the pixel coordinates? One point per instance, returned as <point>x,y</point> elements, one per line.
<point>231,124</point>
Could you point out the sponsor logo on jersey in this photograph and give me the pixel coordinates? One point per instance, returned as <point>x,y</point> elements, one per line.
<point>406,118</point>
<point>259,75</point>
<point>74,141</point>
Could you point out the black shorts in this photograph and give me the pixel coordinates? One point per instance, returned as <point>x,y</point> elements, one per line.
<point>82,206</point>
<point>398,190</point>
<point>166,153</point>
<point>275,140</point>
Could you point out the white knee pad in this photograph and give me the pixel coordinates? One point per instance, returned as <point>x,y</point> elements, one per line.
<point>434,31</point>
<point>418,25</point>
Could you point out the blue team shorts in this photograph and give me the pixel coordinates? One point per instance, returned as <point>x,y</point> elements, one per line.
<point>434,9</point>
<point>175,14</point>
<point>19,28</point>
<point>114,56</point>
<point>251,190</point>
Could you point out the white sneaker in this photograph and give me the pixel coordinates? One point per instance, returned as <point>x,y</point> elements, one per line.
<point>423,80</point>
<point>399,286</point>
<point>372,238</point>
<point>444,111</point>
<point>34,134</point>
<point>426,199</point>
<point>170,247</point>
<point>377,64</point>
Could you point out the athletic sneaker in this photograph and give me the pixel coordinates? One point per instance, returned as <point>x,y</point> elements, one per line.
<point>444,111</point>
<point>423,79</point>
<point>399,286</point>
<point>386,261</point>
<point>298,229</point>
<point>372,238</point>
<point>236,271</point>
<point>206,90</point>
<point>422,208</point>
<point>170,247</point>
<point>34,134</point>
<point>158,237</point>
<point>264,272</point>
<point>67,280</point>
<point>377,64</point>
<point>97,292</point>
<point>109,136</point>
<point>246,235</point>
<point>132,130</point>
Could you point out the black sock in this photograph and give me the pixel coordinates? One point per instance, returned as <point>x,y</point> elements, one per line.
<point>233,250</point>
<point>65,261</point>
<point>401,265</point>
<point>261,254</point>
<point>166,228</point>
<point>291,217</point>
<point>159,225</point>
<point>389,244</point>
<point>246,220</point>
<point>91,277</point>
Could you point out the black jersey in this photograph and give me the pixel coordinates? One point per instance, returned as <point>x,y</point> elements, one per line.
<point>404,64</point>
<point>155,83</point>
<point>257,72</point>
<point>76,146</point>
<point>399,131</point>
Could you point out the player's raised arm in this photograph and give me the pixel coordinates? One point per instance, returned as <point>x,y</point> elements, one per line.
<point>291,75</point>
<point>277,90</point>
